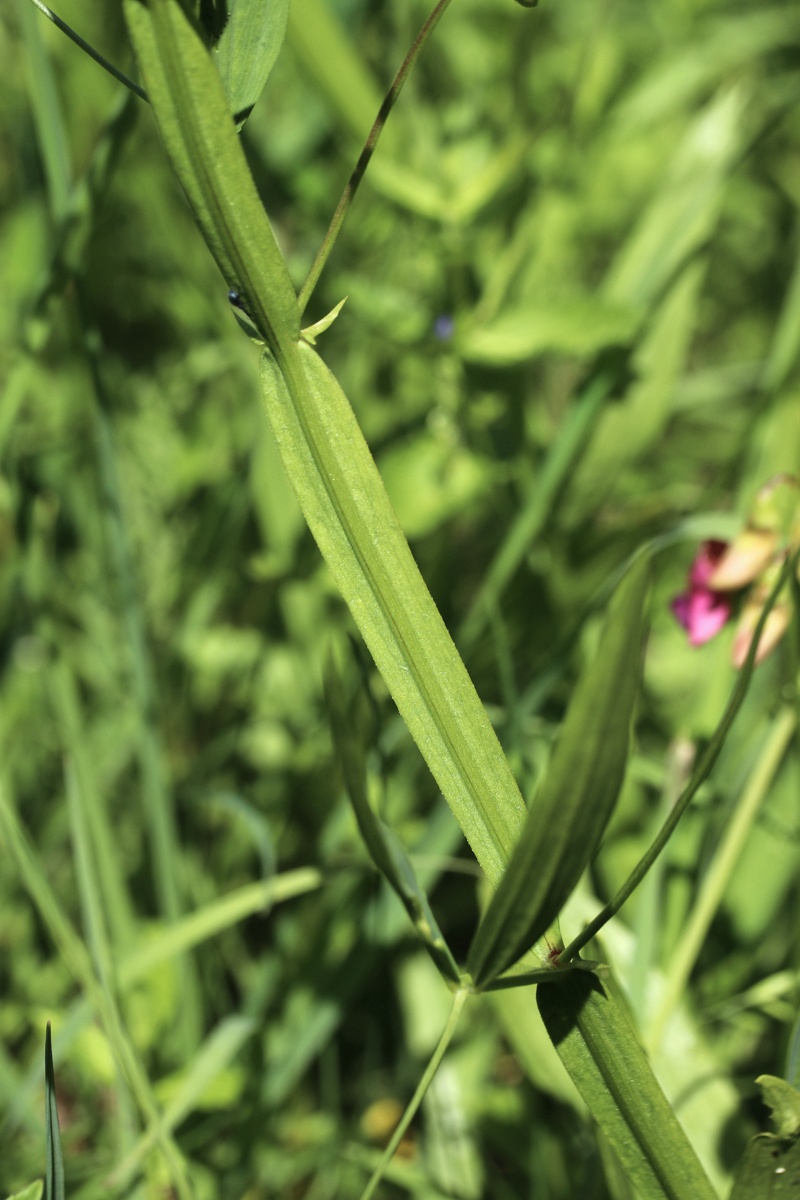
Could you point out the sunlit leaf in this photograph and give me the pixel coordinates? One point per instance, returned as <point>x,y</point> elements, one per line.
<point>247,50</point>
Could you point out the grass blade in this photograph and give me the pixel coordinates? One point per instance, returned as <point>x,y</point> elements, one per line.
<point>54,1171</point>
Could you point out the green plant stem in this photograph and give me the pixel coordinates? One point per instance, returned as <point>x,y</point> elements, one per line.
<point>717,878</point>
<point>699,776</point>
<point>459,1000</point>
<point>351,187</point>
<point>649,917</point>
<point>90,50</point>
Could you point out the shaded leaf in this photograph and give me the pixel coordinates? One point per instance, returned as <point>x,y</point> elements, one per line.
<point>54,1170</point>
<point>769,1169</point>
<point>597,1045</point>
<point>578,794</point>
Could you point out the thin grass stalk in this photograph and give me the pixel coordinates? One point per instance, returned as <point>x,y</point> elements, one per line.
<point>89,49</point>
<point>718,876</point>
<point>459,1000</point>
<point>351,187</point>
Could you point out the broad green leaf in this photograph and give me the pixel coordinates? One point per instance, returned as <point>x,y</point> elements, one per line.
<point>191,110</point>
<point>769,1169</point>
<point>349,513</point>
<point>599,1048</point>
<point>247,50</point>
<point>684,212</point>
<point>385,848</point>
<point>54,1171</point>
<point>577,797</point>
<point>784,1100</point>
<point>577,327</point>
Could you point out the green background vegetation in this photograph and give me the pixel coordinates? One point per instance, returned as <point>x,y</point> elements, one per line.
<point>604,199</point>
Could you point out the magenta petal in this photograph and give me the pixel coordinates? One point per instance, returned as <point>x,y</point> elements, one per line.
<point>708,612</point>
<point>702,613</point>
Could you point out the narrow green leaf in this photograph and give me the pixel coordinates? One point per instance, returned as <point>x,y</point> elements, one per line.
<point>191,109</point>
<point>598,1047</point>
<point>247,50</point>
<point>387,851</point>
<point>769,1169</point>
<point>333,473</point>
<point>349,513</point>
<point>54,1170</point>
<point>577,797</point>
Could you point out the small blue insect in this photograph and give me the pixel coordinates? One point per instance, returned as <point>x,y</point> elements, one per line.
<point>235,299</point>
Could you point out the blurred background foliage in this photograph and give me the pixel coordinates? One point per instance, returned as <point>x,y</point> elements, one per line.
<point>572,325</point>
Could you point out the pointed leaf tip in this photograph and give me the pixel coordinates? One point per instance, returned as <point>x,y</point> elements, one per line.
<point>54,1169</point>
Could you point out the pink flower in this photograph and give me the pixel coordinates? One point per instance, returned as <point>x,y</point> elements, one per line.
<point>701,610</point>
<point>754,557</point>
